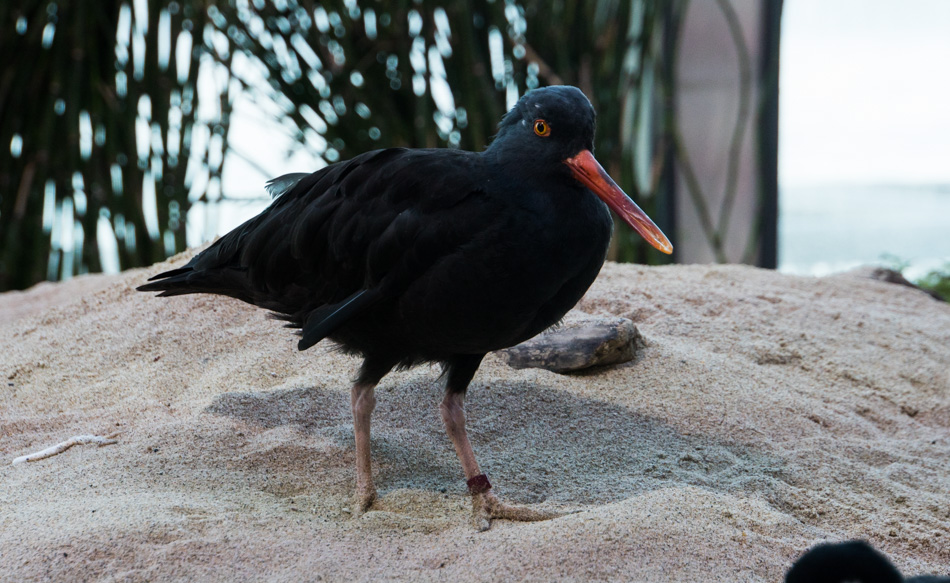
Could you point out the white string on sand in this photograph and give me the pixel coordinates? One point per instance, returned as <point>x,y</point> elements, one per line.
<point>100,440</point>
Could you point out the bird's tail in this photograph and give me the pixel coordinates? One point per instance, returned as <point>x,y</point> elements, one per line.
<point>188,280</point>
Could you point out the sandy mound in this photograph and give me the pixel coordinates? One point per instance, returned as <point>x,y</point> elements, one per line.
<point>767,413</point>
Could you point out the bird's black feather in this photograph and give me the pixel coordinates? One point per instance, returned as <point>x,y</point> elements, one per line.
<point>325,319</point>
<point>278,186</point>
<point>406,256</point>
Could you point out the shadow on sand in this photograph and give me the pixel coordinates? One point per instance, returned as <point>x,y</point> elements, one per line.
<point>535,441</point>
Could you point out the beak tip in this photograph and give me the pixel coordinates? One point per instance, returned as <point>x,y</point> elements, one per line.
<point>591,174</point>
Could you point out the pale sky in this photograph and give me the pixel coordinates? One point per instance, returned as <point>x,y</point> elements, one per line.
<point>865,92</point>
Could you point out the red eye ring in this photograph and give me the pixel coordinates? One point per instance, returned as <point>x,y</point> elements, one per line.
<point>542,128</point>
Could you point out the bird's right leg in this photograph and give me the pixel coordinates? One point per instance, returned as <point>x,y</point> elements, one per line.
<point>485,505</point>
<point>362,402</point>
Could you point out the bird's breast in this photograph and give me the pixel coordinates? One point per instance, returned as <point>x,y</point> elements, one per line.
<point>520,275</point>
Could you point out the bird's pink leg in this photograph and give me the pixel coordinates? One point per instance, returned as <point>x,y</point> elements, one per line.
<point>485,505</point>
<point>363,401</point>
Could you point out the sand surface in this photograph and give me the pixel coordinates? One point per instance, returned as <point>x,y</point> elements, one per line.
<point>767,413</point>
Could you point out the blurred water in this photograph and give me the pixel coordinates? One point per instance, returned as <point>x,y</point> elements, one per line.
<point>826,229</point>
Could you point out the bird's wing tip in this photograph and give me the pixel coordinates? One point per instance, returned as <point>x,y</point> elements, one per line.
<point>276,187</point>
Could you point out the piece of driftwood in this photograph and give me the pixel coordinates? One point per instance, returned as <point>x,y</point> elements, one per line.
<point>578,344</point>
<point>99,440</point>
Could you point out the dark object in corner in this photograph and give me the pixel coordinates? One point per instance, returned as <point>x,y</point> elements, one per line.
<point>850,561</point>
<point>577,345</point>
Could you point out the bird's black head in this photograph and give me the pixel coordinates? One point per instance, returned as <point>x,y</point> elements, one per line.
<point>548,125</point>
<point>550,133</point>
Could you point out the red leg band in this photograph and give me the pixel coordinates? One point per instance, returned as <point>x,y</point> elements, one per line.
<point>479,484</point>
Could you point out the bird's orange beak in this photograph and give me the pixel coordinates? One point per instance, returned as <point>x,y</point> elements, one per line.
<point>591,174</point>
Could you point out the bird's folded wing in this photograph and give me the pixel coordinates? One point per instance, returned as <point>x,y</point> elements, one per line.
<point>335,241</point>
<point>325,319</point>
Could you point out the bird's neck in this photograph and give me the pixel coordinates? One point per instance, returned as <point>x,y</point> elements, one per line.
<point>517,168</point>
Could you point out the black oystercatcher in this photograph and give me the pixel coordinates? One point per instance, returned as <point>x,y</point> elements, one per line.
<point>853,561</point>
<point>410,256</point>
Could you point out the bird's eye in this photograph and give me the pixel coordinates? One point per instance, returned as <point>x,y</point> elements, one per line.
<point>542,128</point>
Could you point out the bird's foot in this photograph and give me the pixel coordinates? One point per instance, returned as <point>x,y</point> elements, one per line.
<point>363,501</point>
<point>486,506</point>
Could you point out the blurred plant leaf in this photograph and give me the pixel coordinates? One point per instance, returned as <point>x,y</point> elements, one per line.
<point>99,109</point>
<point>937,281</point>
<point>352,76</point>
<point>112,139</point>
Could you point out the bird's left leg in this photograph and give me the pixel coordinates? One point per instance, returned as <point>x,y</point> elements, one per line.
<point>363,401</point>
<point>485,505</point>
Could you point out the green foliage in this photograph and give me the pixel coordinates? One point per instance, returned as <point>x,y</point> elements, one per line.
<point>99,115</point>
<point>894,262</point>
<point>937,281</point>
